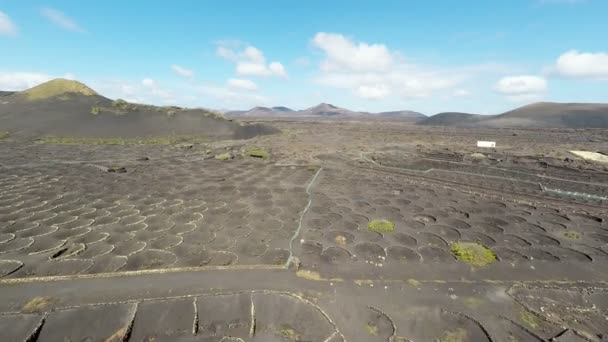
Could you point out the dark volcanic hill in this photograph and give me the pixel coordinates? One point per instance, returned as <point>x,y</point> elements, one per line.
<point>282,109</point>
<point>408,115</point>
<point>537,115</point>
<point>324,111</point>
<point>450,119</point>
<point>328,110</point>
<point>260,112</point>
<point>69,108</point>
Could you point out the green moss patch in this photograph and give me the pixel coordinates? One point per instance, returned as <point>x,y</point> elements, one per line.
<point>312,168</point>
<point>3,135</point>
<point>529,319</point>
<point>95,110</point>
<point>167,140</point>
<point>381,226</point>
<point>288,332</point>
<point>223,156</point>
<point>456,335</point>
<point>572,235</point>
<point>57,87</point>
<point>38,305</point>
<point>413,282</point>
<point>120,103</point>
<point>371,329</point>
<point>258,153</point>
<point>473,253</point>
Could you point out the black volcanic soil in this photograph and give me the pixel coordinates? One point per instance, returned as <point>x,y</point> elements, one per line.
<point>74,115</point>
<point>183,246</point>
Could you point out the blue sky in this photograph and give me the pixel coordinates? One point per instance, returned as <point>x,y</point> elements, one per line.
<point>430,56</point>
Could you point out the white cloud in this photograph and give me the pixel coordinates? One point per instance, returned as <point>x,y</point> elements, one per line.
<point>343,54</point>
<point>372,71</point>
<point>15,81</point>
<point>278,69</point>
<point>21,80</point>
<point>242,84</point>
<point>254,55</point>
<point>148,82</point>
<point>518,85</point>
<point>226,53</point>
<point>373,92</point>
<point>251,62</point>
<point>182,71</point>
<point>61,19</point>
<point>231,98</point>
<point>7,28</point>
<point>583,65</point>
<point>523,88</point>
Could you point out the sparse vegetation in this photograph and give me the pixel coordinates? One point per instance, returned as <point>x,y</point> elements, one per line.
<point>312,168</point>
<point>371,329</point>
<point>309,275</point>
<point>340,240</point>
<point>381,226</point>
<point>473,302</point>
<point>216,115</point>
<point>120,103</point>
<point>95,110</point>
<point>473,253</point>
<point>167,140</point>
<point>223,156</point>
<point>288,333</point>
<point>529,319</point>
<point>258,153</point>
<point>3,135</point>
<point>57,87</point>
<point>413,282</point>
<point>456,335</point>
<point>37,305</point>
<point>572,235</point>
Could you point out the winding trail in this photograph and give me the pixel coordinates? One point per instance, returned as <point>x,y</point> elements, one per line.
<point>297,232</point>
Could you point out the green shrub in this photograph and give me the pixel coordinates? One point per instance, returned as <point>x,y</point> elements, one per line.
<point>95,110</point>
<point>120,103</point>
<point>572,235</point>
<point>472,253</point>
<point>223,156</point>
<point>258,153</point>
<point>381,226</point>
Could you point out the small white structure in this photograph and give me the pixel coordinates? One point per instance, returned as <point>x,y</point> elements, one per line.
<point>486,143</point>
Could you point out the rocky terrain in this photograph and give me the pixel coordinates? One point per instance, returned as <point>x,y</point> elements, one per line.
<point>331,230</point>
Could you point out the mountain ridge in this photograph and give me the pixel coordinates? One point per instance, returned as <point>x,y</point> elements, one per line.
<point>323,110</point>
<point>535,115</point>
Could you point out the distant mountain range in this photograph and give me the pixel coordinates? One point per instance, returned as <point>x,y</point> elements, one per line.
<point>537,115</point>
<point>323,110</point>
<point>70,107</point>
